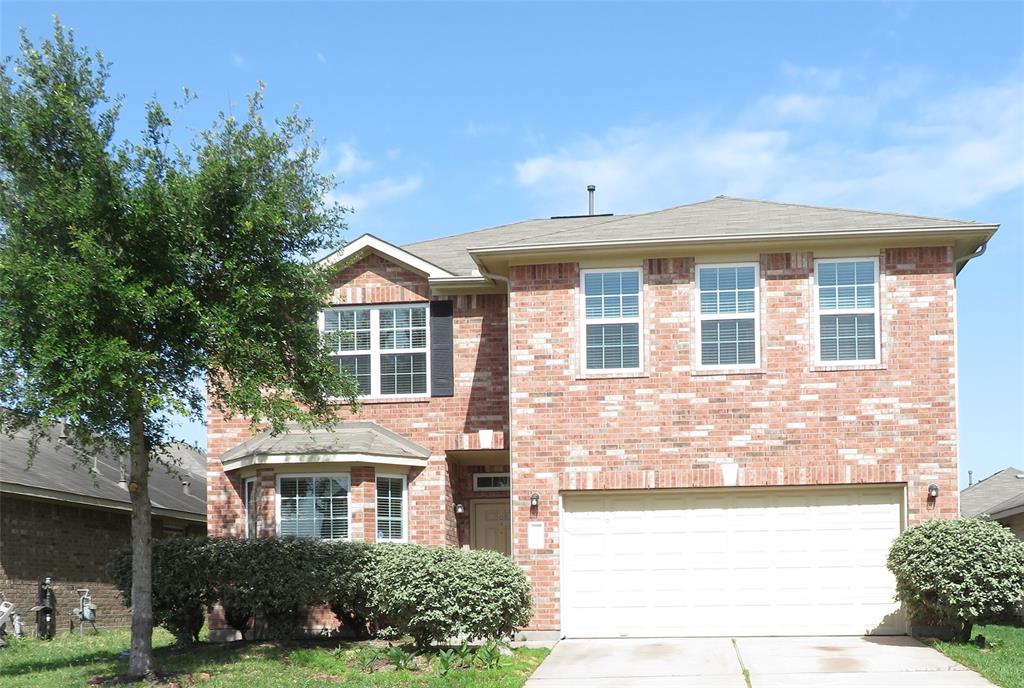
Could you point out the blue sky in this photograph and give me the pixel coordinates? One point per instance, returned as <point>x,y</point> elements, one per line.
<point>441,118</point>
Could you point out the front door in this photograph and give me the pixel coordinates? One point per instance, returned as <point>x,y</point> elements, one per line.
<point>491,525</point>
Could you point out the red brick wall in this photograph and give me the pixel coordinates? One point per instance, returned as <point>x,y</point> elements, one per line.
<point>480,403</point>
<point>790,423</point>
<point>70,543</point>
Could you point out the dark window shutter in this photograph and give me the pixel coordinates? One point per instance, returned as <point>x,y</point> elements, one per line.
<point>442,351</point>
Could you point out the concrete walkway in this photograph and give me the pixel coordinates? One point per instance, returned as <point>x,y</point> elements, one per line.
<point>839,662</point>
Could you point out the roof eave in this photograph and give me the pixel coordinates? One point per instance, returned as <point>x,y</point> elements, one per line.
<point>317,458</point>
<point>488,258</point>
<point>99,502</point>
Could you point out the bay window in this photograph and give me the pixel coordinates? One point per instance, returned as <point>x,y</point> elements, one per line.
<point>313,506</point>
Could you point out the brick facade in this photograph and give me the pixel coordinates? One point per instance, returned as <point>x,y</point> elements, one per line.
<point>73,545</point>
<point>790,422</point>
<point>474,419</point>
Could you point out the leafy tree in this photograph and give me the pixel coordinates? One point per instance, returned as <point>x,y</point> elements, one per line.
<point>130,268</point>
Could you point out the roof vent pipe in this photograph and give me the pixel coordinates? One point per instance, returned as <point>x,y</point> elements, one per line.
<point>590,191</point>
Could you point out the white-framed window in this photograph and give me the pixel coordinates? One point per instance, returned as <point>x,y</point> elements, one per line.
<point>391,499</point>
<point>313,506</point>
<point>383,347</point>
<point>251,503</point>
<point>491,482</point>
<point>847,313</point>
<point>727,311</point>
<point>612,308</point>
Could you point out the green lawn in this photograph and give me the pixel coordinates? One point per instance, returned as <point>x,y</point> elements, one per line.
<point>72,661</point>
<point>1001,661</point>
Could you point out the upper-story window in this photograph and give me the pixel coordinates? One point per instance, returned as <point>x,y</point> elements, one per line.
<point>847,304</point>
<point>728,315</point>
<point>612,306</point>
<point>383,347</point>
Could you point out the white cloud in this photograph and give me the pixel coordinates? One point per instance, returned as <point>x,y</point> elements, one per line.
<point>350,161</point>
<point>887,148</point>
<point>239,60</point>
<point>377,192</point>
<point>321,58</point>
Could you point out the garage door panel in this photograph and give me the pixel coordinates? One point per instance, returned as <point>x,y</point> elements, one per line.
<point>773,561</point>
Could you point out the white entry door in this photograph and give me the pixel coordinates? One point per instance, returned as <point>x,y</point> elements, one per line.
<point>726,562</point>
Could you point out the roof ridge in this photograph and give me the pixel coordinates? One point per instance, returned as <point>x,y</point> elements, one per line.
<point>846,210</point>
<point>472,231</point>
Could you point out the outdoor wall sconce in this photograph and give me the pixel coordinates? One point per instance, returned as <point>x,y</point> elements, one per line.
<point>534,500</point>
<point>933,491</point>
<point>459,510</point>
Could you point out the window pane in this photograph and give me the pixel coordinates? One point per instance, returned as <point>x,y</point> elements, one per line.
<point>613,346</point>
<point>727,289</point>
<point>728,342</point>
<point>403,328</point>
<point>314,507</point>
<point>389,509</point>
<point>403,373</point>
<point>347,330</point>
<point>847,337</point>
<point>612,294</point>
<point>359,368</point>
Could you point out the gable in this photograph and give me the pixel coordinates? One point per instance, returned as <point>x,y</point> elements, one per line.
<point>373,278</point>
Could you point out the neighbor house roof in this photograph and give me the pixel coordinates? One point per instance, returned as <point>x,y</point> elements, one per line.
<point>994,493</point>
<point>722,218</point>
<point>54,473</point>
<point>350,441</point>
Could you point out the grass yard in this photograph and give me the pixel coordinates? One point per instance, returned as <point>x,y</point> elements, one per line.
<point>70,661</point>
<point>1001,661</point>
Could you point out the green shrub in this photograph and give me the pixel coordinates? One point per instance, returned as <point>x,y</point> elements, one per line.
<point>436,594</point>
<point>343,570</point>
<point>181,584</point>
<point>958,572</point>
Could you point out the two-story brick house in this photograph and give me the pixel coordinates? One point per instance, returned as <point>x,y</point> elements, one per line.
<point>705,420</point>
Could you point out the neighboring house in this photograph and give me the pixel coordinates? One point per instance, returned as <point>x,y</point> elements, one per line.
<point>58,519</point>
<point>706,420</point>
<point>1000,496</point>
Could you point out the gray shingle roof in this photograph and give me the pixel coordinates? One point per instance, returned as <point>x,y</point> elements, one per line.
<point>54,473</point>
<point>351,437</point>
<point>993,493</point>
<point>720,216</point>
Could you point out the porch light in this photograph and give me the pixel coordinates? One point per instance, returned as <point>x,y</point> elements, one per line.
<point>534,500</point>
<point>459,510</point>
<point>933,491</point>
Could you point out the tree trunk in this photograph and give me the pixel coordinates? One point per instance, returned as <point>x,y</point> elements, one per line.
<point>140,663</point>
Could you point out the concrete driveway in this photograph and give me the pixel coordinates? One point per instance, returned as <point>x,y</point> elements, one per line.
<point>840,662</point>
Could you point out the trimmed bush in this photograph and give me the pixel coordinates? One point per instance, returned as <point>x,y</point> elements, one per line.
<point>344,571</point>
<point>269,584</point>
<point>958,572</point>
<point>181,584</point>
<point>437,594</point>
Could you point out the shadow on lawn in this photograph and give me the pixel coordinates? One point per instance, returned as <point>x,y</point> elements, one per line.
<point>172,659</point>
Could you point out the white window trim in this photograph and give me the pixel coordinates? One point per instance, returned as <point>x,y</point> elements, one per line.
<point>701,317</point>
<point>375,352</point>
<point>246,505</point>
<point>405,507</point>
<point>876,312</point>
<point>277,498</point>
<point>638,320</point>
<point>476,482</point>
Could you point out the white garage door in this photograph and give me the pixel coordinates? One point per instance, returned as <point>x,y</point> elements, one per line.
<point>782,561</point>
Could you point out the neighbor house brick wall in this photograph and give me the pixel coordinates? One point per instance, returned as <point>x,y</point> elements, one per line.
<point>72,544</point>
<point>476,417</point>
<point>788,423</point>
